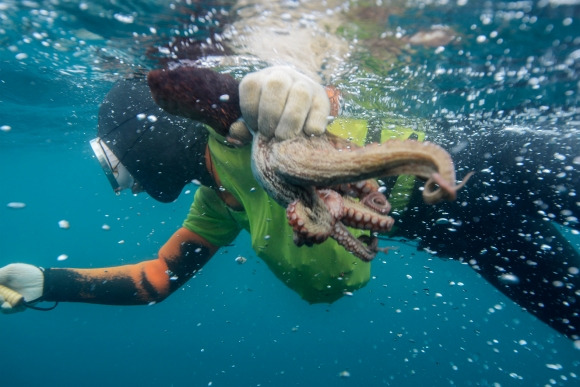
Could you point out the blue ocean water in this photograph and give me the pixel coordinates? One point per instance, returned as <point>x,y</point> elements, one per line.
<point>421,320</point>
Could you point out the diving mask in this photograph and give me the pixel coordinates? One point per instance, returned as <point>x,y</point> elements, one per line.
<point>116,172</point>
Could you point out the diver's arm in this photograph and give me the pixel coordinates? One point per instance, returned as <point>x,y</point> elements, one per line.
<point>277,101</point>
<point>149,281</point>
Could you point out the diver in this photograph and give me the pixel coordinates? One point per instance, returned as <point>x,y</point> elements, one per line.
<point>502,225</point>
<point>143,148</point>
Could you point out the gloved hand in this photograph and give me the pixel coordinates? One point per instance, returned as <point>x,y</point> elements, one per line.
<point>25,279</point>
<point>279,101</point>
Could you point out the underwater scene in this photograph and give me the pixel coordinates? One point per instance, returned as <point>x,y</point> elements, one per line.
<point>481,290</point>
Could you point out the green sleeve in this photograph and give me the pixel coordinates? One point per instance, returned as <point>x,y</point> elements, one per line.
<point>210,218</point>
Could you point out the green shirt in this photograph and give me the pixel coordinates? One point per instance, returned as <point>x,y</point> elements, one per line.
<point>321,273</point>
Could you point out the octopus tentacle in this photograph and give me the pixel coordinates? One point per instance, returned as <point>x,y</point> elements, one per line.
<point>313,225</point>
<point>333,201</point>
<point>357,189</point>
<point>377,201</point>
<point>358,247</point>
<point>359,216</point>
<point>319,163</point>
<point>343,212</point>
<point>446,191</point>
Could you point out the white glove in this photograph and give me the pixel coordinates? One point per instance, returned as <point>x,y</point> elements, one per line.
<point>279,101</point>
<point>25,279</point>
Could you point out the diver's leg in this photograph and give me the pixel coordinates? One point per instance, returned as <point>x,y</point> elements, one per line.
<point>501,220</point>
<point>524,257</point>
<point>537,268</point>
<point>535,171</point>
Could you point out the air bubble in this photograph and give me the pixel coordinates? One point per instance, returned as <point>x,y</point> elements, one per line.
<point>16,205</point>
<point>240,260</point>
<point>509,279</point>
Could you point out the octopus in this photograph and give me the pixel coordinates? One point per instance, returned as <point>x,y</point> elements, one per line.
<point>326,183</point>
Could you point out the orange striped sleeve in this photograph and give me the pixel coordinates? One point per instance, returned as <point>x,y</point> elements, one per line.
<point>142,283</point>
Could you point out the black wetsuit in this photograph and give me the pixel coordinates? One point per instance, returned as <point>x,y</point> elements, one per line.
<point>503,223</point>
